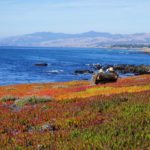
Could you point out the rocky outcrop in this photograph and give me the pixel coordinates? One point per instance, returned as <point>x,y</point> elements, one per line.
<point>124,68</point>
<point>137,70</point>
<point>121,69</point>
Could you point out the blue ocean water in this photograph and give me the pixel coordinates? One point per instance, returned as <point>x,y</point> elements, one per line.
<point>17,64</point>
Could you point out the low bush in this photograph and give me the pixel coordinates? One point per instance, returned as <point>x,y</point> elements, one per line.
<point>33,100</point>
<point>8,98</point>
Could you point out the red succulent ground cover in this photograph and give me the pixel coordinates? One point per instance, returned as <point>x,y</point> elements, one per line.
<point>76,115</point>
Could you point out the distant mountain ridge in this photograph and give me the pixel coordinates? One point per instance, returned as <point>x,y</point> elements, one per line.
<point>87,39</point>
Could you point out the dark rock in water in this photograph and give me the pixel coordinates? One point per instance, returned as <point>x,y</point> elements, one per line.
<point>98,66</point>
<point>83,72</point>
<point>95,66</point>
<point>41,64</point>
<point>119,67</point>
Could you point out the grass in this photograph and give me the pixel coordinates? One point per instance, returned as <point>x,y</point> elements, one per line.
<point>128,128</point>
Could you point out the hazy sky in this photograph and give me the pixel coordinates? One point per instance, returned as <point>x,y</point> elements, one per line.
<point>74,16</point>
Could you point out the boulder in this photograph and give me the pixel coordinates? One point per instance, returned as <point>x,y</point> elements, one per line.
<point>105,78</point>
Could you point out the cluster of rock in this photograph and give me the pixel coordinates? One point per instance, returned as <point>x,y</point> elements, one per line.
<point>121,69</point>
<point>137,70</point>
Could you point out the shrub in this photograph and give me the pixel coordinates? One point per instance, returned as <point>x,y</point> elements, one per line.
<point>33,100</point>
<point>8,98</point>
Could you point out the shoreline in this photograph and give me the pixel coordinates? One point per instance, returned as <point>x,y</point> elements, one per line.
<point>72,81</point>
<point>144,49</point>
<point>147,50</point>
<point>65,82</point>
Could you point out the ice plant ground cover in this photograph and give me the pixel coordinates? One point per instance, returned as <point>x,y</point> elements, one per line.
<point>76,115</point>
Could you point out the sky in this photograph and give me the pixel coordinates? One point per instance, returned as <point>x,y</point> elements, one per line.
<point>74,16</point>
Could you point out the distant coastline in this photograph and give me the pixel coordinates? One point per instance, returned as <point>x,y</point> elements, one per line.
<point>136,47</point>
<point>147,50</point>
<point>143,49</point>
<point>89,39</point>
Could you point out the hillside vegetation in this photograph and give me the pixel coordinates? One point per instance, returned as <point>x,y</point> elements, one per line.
<point>76,115</point>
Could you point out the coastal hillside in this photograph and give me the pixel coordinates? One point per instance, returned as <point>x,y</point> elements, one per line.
<point>76,115</point>
<point>88,39</point>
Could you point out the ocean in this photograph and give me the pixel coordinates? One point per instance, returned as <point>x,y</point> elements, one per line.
<point>17,64</point>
